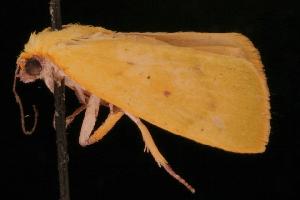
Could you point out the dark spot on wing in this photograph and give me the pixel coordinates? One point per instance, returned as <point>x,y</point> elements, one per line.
<point>212,106</point>
<point>148,77</point>
<point>130,63</point>
<point>167,93</point>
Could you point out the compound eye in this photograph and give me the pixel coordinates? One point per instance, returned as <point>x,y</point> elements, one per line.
<point>33,67</point>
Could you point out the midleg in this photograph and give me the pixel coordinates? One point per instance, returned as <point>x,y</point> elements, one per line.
<point>89,120</point>
<point>113,117</point>
<point>88,124</point>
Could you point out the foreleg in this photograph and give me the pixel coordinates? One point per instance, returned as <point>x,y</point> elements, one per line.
<point>71,117</point>
<point>82,98</point>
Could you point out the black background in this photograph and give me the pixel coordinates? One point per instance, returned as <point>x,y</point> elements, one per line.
<point>116,167</point>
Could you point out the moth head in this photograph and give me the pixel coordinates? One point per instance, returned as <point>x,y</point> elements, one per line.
<point>30,69</point>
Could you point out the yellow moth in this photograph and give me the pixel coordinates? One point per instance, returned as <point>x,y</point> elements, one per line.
<point>207,87</point>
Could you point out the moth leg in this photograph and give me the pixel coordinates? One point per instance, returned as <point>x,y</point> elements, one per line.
<point>158,157</point>
<point>112,118</point>
<point>82,98</point>
<point>71,117</point>
<point>91,113</point>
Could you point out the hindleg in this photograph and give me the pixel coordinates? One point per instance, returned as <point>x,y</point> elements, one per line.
<point>158,157</point>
